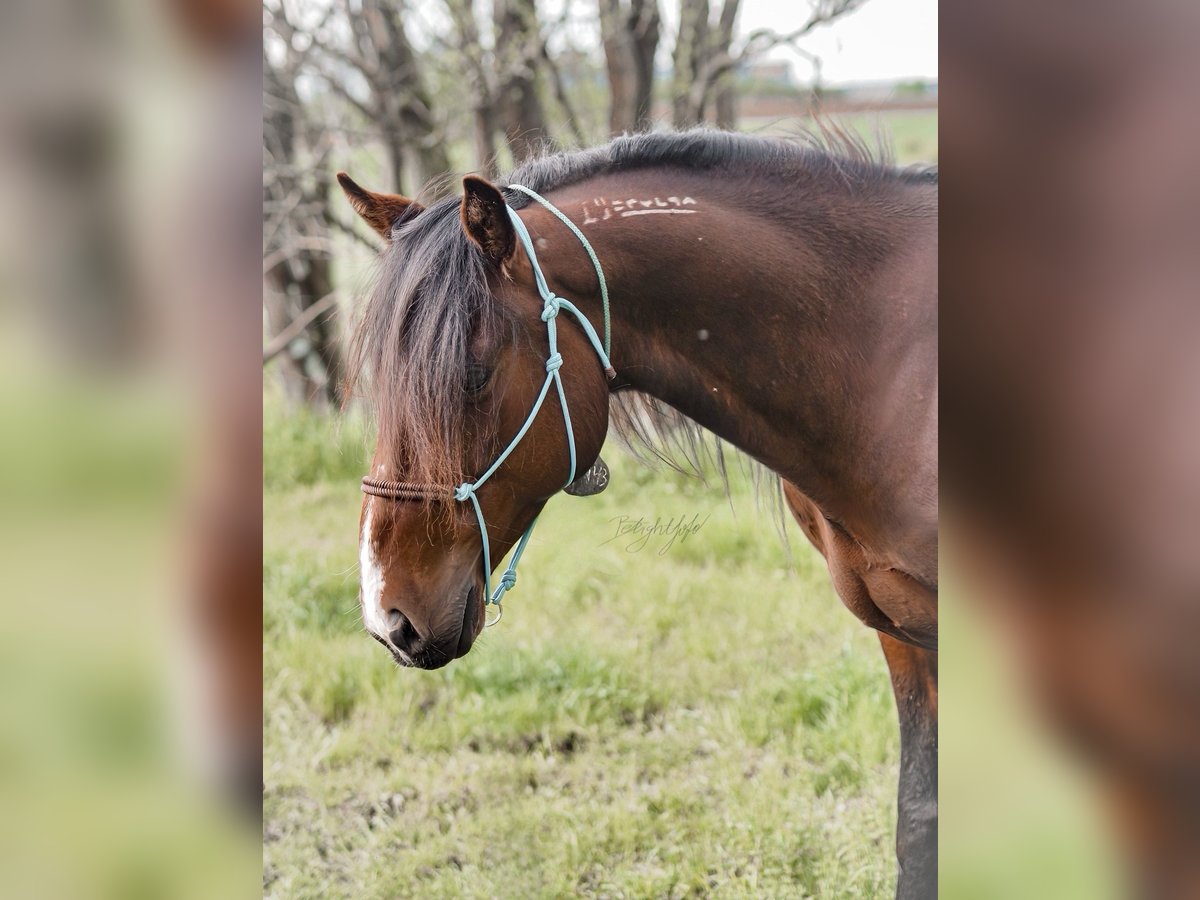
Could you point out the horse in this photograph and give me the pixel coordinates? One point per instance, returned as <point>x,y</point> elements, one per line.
<point>778,294</point>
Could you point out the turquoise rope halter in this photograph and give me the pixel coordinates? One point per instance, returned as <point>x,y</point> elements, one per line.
<point>552,305</point>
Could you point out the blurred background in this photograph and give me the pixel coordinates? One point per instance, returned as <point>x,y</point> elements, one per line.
<point>130,442</point>
<point>1070,490</point>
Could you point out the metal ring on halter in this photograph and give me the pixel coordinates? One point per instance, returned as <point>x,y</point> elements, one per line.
<point>499,616</point>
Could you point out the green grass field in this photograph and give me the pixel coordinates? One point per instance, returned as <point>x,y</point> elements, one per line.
<point>704,719</point>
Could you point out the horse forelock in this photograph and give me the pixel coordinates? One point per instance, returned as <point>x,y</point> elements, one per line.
<point>411,347</point>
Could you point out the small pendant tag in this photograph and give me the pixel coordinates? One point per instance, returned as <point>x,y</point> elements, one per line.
<point>593,481</point>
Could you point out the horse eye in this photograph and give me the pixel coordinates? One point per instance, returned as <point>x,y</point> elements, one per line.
<point>477,378</point>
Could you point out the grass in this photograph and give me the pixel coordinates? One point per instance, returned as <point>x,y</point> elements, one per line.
<point>705,719</point>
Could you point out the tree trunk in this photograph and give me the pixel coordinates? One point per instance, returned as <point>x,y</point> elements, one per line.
<point>724,86</point>
<point>646,29</point>
<point>690,54</point>
<point>726,103</point>
<point>312,367</point>
<point>407,101</point>
<point>325,360</point>
<point>630,35</point>
<point>427,152</point>
<point>483,116</point>
<point>280,312</point>
<point>703,54</point>
<point>518,52</point>
<point>484,134</point>
<point>618,58</point>
<point>312,364</point>
<point>393,146</point>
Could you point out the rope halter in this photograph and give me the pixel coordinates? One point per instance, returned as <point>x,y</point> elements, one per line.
<point>552,304</point>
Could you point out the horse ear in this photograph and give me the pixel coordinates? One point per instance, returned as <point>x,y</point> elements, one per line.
<point>485,219</point>
<point>380,211</point>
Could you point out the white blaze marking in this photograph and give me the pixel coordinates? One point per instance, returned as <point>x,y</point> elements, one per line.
<point>371,575</point>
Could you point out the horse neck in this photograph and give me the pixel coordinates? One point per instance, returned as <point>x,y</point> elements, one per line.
<point>782,324</point>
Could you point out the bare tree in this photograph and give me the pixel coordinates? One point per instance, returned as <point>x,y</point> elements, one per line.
<point>688,61</point>
<point>519,52</point>
<point>467,45</point>
<point>705,58</point>
<point>507,70</point>
<point>366,57</point>
<point>723,86</point>
<point>560,90</point>
<point>296,246</point>
<point>630,31</point>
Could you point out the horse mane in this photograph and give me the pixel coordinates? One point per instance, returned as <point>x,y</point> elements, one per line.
<point>826,150</point>
<point>411,346</point>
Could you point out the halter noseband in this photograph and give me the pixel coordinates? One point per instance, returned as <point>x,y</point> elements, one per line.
<point>552,304</point>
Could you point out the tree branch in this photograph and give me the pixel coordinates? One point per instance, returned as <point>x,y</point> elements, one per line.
<point>351,231</point>
<point>763,39</point>
<point>312,244</point>
<point>560,94</point>
<point>297,326</point>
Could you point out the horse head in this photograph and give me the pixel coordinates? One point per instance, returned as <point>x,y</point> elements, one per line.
<point>488,403</point>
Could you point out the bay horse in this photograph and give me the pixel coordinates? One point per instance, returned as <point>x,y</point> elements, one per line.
<point>780,295</point>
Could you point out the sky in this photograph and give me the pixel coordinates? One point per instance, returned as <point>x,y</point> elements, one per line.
<point>884,40</point>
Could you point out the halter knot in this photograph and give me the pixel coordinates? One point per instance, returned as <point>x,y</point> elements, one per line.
<point>550,310</point>
<point>554,363</point>
<point>464,491</point>
<point>508,579</point>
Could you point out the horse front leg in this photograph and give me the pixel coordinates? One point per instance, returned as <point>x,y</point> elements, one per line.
<point>914,682</point>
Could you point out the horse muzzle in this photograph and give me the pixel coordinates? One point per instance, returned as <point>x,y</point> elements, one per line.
<point>413,649</point>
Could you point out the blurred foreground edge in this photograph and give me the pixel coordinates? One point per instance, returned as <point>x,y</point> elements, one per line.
<point>1071,376</point>
<point>130,452</point>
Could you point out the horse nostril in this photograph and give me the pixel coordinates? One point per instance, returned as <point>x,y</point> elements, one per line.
<point>403,636</point>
